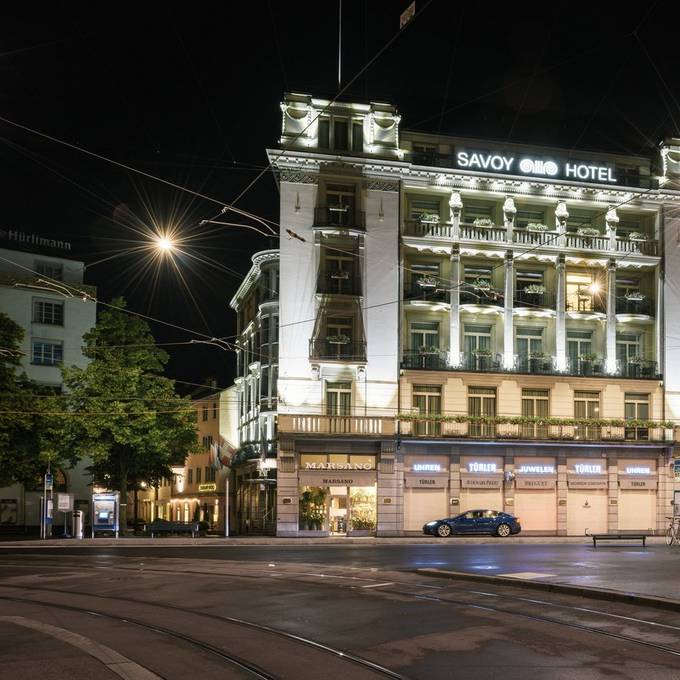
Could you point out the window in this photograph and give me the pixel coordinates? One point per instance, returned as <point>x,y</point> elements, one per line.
<point>215,410</point>
<point>580,350</point>
<point>339,337</point>
<point>357,137</point>
<point>478,284</point>
<point>264,382</point>
<point>587,406</point>
<point>535,404</point>
<point>424,334</point>
<point>324,133</point>
<point>636,407</point>
<point>582,291</point>
<point>423,274</point>
<point>339,274</point>
<point>338,398</point>
<point>424,206</point>
<point>340,135</point>
<point>340,201</point>
<point>48,312</point>
<point>481,403</point>
<point>424,154</point>
<point>275,329</point>
<point>580,220</point>
<point>198,475</point>
<point>529,343</point>
<point>524,217</point>
<point>51,270</point>
<point>628,351</point>
<point>264,330</point>
<point>334,133</point>
<point>205,412</point>
<point>45,353</point>
<point>476,346</point>
<point>209,474</point>
<point>477,211</point>
<point>427,399</point>
<point>626,226</point>
<point>191,476</point>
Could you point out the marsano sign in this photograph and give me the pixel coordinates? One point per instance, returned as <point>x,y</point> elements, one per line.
<point>533,166</point>
<point>339,466</point>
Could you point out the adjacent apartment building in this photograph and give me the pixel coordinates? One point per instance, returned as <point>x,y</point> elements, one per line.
<point>37,292</point>
<point>466,324</point>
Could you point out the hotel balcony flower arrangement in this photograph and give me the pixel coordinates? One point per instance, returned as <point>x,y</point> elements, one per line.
<point>429,218</point>
<point>635,296</point>
<point>637,236</point>
<point>340,275</point>
<point>429,350</point>
<point>588,232</point>
<point>535,289</point>
<point>481,284</point>
<point>636,360</point>
<point>483,222</point>
<point>588,357</point>
<point>340,339</point>
<point>427,282</point>
<point>536,226</point>
<point>482,352</point>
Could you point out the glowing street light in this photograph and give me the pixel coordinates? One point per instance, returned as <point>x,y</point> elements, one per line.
<point>165,244</point>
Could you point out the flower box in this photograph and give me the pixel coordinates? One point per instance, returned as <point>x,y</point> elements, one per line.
<point>342,276</point>
<point>588,231</point>
<point>338,339</point>
<point>534,226</point>
<point>636,236</point>
<point>481,284</point>
<point>429,350</point>
<point>483,222</point>
<point>482,352</point>
<point>427,282</point>
<point>534,289</point>
<point>635,297</point>
<point>429,218</point>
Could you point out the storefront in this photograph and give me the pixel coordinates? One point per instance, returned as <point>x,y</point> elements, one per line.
<point>481,483</point>
<point>337,494</point>
<point>536,494</point>
<point>637,500</point>
<point>586,496</point>
<point>426,490</point>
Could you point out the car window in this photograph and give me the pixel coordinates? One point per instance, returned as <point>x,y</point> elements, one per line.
<point>469,515</point>
<point>490,513</point>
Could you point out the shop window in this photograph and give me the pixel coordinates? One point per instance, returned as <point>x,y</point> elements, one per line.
<point>481,404</point>
<point>427,400</point>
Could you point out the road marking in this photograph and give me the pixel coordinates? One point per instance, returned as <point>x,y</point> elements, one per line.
<point>115,662</point>
<point>378,585</point>
<point>527,575</point>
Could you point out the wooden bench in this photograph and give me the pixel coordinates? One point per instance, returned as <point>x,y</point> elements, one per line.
<point>164,527</point>
<point>633,536</point>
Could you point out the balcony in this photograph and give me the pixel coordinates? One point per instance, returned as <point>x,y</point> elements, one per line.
<point>539,365</point>
<point>591,366</point>
<point>340,216</point>
<point>638,368</point>
<point>580,242</point>
<point>339,283</point>
<point>472,233</point>
<point>417,291</point>
<point>536,429</point>
<point>643,307</point>
<point>481,296</point>
<point>337,350</point>
<point>545,300</point>
<point>535,238</point>
<point>586,304</point>
<point>480,361</point>
<point>367,426</point>
<point>642,247</point>
<point>432,359</point>
<point>428,229</point>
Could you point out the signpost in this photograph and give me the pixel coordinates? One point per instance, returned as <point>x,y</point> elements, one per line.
<point>65,505</point>
<point>46,505</point>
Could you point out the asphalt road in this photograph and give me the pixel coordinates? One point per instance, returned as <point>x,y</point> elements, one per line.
<point>182,612</point>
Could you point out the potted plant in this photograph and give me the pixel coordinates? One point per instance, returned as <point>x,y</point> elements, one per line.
<point>362,523</point>
<point>535,289</point>
<point>637,236</point>
<point>535,226</point>
<point>429,218</point>
<point>428,350</point>
<point>482,352</point>
<point>427,282</point>
<point>340,339</point>
<point>635,296</point>
<point>483,222</point>
<point>586,362</point>
<point>340,275</point>
<point>588,231</point>
<point>481,284</point>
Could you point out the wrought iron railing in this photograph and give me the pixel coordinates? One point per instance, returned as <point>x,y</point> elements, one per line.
<point>332,350</point>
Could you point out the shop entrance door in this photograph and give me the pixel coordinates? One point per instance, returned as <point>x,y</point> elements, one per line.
<point>337,510</point>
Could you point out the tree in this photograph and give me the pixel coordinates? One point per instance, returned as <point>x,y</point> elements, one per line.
<point>126,414</point>
<point>29,416</point>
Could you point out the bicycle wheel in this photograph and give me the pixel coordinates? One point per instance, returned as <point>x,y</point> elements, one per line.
<point>670,535</point>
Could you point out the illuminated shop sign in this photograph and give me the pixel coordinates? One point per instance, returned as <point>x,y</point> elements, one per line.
<point>426,467</point>
<point>533,166</point>
<point>482,467</point>
<point>588,468</point>
<point>638,470</point>
<point>536,469</point>
<point>207,487</point>
<point>339,466</point>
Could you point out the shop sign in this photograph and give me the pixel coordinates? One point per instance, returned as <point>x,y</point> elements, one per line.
<point>588,469</point>
<point>339,466</point>
<point>641,483</point>
<point>587,482</point>
<point>482,467</point>
<point>497,162</point>
<point>535,470</point>
<point>638,470</point>
<point>426,467</point>
<point>429,482</point>
<point>527,482</point>
<point>207,487</point>
<point>481,482</point>
<point>356,479</point>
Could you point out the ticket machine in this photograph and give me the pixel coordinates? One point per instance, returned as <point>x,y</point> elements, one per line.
<point>105,513</point>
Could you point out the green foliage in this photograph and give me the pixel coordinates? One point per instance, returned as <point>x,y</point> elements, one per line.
<point>135,426</point>
<point>29,417</point>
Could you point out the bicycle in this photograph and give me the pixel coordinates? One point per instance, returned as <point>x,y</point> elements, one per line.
<point>673,531</point>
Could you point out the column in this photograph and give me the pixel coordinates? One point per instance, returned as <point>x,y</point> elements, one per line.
<point>509,212</point>
<point>561,316</point>
<point>509,485</point>
<point>612,220</point>
<point>454,311</point>
<point>454,484</point>
<point>508,322</point>
<point>562,495</point>
<point>455,207</point>
<point>389,498</point>
<point>612,494</point>
<point>611,318</point>
<point>659,321</point>
<point>561,217</point>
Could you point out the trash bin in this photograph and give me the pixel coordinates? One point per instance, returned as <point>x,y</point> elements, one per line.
<point>78,524</point>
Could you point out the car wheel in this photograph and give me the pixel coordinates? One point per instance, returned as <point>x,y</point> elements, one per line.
<point>503,530</point>
<point>443,530</point>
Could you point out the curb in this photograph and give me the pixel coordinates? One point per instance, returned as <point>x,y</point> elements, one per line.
<point>562,588</point>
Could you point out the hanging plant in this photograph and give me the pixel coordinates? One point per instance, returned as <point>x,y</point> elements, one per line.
<point>537,355</point>
<point>588,357</point>
<point>636,296</point>
<point>535,289</point>
<point>636,360</point>
<point>427,282</point>
<point>482,352</point>
<point>535,226</point>
<point>637,236</point>
<point>483,222</point>
<point>338,339</point>
<point>588,231</point>
<point>428,350</point>
<point>343,276</point>
<point>430,218</point>
<point>482,284</point>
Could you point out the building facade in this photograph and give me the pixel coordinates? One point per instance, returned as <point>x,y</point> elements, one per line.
<point>39,292</point>
<point>471,324</point>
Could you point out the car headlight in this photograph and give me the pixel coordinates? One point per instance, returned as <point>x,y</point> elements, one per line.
<point>430,524</point>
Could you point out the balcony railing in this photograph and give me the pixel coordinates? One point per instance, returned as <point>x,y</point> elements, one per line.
<point>645,307</point>
<point>544,300</point>
<point>587,242</point>
<point>431,358</point>
<point>625,245</point>
<point>586,303</point>
<point>475,361</point>
<point>415,291</point>
<point>473,233</point>
<point>345,216</point>
<point>330,350</point>
<point>481,296</point>
<point>490,428</point>
<point>579,366</point>
<point>428,229</point>
<point>544,365</point>
<point>376,426</point>
<point>339,283</point>
<point>638,368</point>
<point>535,238</point>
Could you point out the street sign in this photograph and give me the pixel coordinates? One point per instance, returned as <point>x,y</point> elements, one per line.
<point>65,502</point>
<point>49,481</point>
<point>50,512</point>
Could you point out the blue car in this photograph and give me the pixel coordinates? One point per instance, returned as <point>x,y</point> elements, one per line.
<point>489,522</point>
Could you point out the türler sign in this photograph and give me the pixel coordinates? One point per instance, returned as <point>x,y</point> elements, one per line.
<point>537,167</point>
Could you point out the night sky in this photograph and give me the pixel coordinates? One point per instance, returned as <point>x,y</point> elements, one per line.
<point>190,92</point>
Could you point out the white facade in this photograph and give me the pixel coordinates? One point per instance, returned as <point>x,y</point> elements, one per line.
<point>54,318</point>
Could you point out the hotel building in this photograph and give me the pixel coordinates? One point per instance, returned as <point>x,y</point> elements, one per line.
<point>469,324</point>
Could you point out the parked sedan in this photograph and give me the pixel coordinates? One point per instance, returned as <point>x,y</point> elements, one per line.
<point>475,522</point>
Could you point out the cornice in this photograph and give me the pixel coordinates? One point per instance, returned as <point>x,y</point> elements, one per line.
<point>258,259</point>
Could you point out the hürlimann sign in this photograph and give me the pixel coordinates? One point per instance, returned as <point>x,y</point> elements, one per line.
<point>28,239</point>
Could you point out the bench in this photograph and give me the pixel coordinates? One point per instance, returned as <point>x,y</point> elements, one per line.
<point>162,526</point>
<point>633,536</point>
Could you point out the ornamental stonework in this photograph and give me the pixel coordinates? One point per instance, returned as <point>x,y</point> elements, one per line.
<point>299,177</point>
<point>382,185</point>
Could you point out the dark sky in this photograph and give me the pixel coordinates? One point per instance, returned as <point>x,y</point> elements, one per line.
<point>190,92</point>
